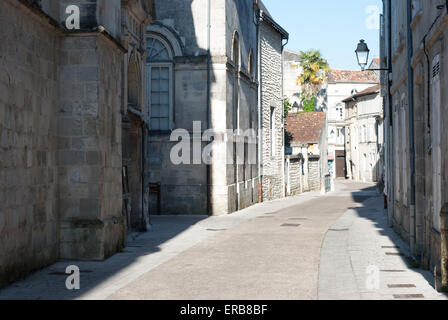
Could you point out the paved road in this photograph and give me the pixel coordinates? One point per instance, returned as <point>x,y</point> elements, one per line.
<point>272,256</point>
<point>269,251</point>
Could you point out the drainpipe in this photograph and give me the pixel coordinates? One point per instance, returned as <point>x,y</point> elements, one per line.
<point>283,122</point>
<point>259,19</point>
<point>411,129</point>
<point>391,208</point>
<point>209,204</point>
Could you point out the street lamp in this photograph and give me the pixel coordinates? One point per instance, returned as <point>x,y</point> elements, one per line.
<point>362,54</point>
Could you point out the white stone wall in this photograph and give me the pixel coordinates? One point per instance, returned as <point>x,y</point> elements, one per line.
<point>271,82</point>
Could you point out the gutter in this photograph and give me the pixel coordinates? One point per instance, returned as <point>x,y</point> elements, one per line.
<point>283,117</point>
<point>208,173</point>
<point>259,19</point>
<point>391,189</point>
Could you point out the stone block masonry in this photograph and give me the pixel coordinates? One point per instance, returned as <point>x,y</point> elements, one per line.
<point>29,75</point>
<point>271,74</point>
<point>92,226</point>
<point>60,143</point>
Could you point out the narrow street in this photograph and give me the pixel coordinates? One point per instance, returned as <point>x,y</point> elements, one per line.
<point>269,251</point>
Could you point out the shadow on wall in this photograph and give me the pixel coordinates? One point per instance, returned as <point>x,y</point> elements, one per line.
<point>179,188</point>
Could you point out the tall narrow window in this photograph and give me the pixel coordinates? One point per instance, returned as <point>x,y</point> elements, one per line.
<point>159,80</point>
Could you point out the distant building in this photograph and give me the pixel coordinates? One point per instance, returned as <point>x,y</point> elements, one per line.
<point>307,161</point>
<point>291,73</point>
<point>364,135</point>
<point>341,84</point>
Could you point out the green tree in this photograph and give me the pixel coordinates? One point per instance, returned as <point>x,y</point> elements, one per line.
<point>286,106</point>
<point>312,77</point>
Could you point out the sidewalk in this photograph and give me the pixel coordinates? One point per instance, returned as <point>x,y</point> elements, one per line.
<point>360,249</point>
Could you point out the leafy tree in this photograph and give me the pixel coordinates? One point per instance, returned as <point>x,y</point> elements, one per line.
<point>312,77</point>
<point>286,106</point>
<point>309,104</point>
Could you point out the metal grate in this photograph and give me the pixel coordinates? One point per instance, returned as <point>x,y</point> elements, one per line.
<point>409,296</point>
<point>290,225</point>
<point>396,286</point>
<point>436,70</point>
<point>395,254</point>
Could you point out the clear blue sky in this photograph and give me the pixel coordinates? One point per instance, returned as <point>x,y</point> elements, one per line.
<point>332,26</point>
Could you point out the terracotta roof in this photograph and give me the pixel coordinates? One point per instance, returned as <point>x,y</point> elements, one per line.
<point>371,90</point>
<point>305,127</point>
<point>351,76</point>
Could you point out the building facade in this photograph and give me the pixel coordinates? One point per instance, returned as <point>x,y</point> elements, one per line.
<point>210,75</point>
<point>61,106</point>
<point>414,38</point>
<point>307,159</point>
<point>364,135</point>
<point>341,84</point>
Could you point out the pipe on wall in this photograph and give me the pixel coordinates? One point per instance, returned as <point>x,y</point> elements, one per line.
<point>411,129</point>
<point>259,19</point>
<point>208,103</point>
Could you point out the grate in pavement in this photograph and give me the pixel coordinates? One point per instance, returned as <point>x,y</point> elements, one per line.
<point>396,286</point>
<point>395,254</point>
<point>216,230</point>
<point>290,225</point>
<point>409,296</point>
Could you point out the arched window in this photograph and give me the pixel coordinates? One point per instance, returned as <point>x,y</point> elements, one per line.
<point>159,59</point>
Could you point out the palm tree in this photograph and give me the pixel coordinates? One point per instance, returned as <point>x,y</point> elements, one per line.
<point>313,74</point>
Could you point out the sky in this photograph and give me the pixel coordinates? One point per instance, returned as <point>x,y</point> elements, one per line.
<point>332,26</point>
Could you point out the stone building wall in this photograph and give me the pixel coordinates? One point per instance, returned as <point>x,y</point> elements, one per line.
<point>271,82</point>
<point>222,187</point>
<point>29,81</point>
<point>60,129</point>
<point>295,176</point>
<point>428,28</point>
<point>314,174</point>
